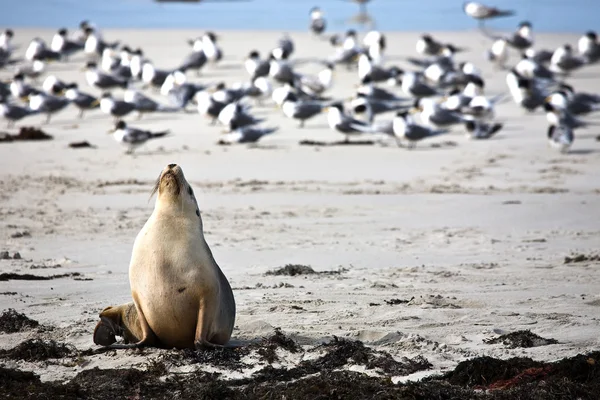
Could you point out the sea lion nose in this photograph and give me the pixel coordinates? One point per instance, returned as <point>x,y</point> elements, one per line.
<point>171,166</point>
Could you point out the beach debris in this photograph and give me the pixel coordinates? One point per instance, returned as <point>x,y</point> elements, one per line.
<point>38,350</point>
<point>521,339</point>
<point>22,234</point>
<point>293,270</point>
<point>299,269</point>
<point>5,255</point>
<point>484,378</point>
<point>393,302</point>
<point>7,276</point>
<point>577,258</point>
<point>81,145</point>
<point>12,321</point>
<point>25,134</point>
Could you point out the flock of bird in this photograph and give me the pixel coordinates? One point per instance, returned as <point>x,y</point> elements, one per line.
<point>442,91</point>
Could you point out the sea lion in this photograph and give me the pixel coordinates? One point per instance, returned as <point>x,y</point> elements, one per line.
<point>180,296</point>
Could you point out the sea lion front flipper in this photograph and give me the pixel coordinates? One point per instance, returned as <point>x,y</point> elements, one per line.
<point>203,326</point>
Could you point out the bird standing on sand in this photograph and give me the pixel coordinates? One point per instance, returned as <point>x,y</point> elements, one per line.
<point>294,108</point>
<point>133,138</point>
<point>116,108</point>
<point>405,128</point>
<point>13,113</point>
<point>48,104</point>
<point>100,80</point>
<point>339,121</point>
<point>83,101</point>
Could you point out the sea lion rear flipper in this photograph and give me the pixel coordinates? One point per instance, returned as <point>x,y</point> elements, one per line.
<point>104,333</point>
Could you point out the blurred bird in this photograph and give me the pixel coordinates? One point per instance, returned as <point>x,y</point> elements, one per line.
<point>481,12</point>
<point>317,21</point>
<point>560,137</point>
<point>294,108</point>
<point>62,45</point>
<point>482,130</point>
<point>101,80</point>
<point>405,128</point>
<point>83,101</point>
<point>116,108</point>
<point>564,61</point>
<point>13,113</point>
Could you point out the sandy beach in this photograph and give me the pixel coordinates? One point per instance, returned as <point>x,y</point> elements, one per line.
<point>431,251</point>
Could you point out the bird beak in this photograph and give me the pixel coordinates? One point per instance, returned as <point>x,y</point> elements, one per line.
<point>95,103</point>
<point>325,109</point>
<point>111,131</point>
<point>25,98</point>
<point>547,99</point>
<point>413,110</point>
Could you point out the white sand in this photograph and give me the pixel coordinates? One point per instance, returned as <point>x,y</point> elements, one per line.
<point>433,223</point>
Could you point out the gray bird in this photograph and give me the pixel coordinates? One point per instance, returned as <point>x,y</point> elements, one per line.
<point>405,128</point>
<point>83,101</point>
<point>300,110</point>
<point>144,104</point>
<point>100,80</point>
<point>339,121</point>
<point>13,113</point>
<point>47,104</point>
<point>372,107</point>
<point>194,61</point>
<point>116,108</point>
<point>133,138</point>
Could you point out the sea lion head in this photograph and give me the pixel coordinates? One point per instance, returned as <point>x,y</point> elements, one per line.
<point>174,190</point>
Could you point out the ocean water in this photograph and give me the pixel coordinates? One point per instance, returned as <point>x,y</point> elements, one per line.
<point>292,15</point>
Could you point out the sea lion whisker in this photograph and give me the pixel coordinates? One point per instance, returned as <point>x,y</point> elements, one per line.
<point>156,186</point>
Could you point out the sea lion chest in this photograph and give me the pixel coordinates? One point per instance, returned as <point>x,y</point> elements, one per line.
<point>170,273</point>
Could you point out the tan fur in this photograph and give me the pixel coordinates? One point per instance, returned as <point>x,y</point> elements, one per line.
<point>181,297</point>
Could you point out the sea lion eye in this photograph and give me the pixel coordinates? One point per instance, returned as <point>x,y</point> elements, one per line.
<point>190,191</point>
